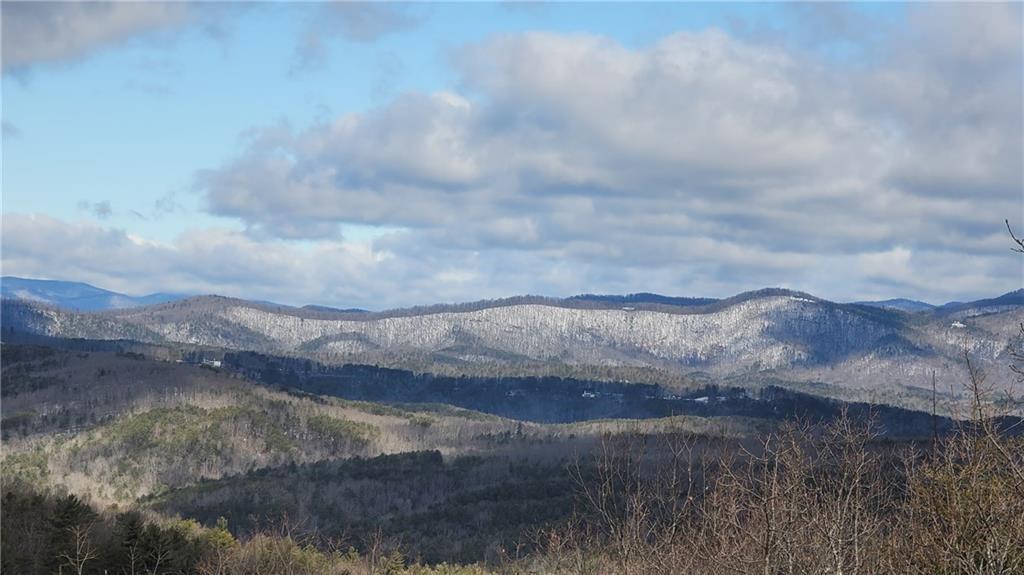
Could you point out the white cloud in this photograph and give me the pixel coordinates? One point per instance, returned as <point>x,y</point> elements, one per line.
<point>702,164</point>
<point>199,261</point>
<point>360,21</point>
<point>395,270</point>
<point>50,32</point>
<point>699,147</point>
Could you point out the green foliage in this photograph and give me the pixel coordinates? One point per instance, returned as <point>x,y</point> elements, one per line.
<point>187,429</point>
<point>219,538</point>
<point>38,536</point>
<point>422,420</point>
<point>28,467</point>
<point>162,428</point>
<point>341,430</point>
<point>376,408</point>
<point>42,534</point>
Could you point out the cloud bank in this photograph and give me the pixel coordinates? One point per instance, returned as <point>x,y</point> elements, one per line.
<point>53,32</point>
<point>701,164</point>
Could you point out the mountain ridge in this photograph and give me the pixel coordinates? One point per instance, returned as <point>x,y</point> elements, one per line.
<point>902,304</point>
<point>78,296</point>
<point>81,296</point>
<point>769,329</point>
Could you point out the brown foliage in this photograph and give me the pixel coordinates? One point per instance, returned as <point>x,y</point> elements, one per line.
<point>835,500</point>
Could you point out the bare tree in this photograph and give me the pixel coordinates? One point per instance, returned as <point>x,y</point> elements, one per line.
<point>82,550</point>
<point>1019,241</point>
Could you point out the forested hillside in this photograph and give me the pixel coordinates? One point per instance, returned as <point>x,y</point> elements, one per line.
<point>178,467</point>
<point>867,352</point>
<point>163,438</point>
<point>118,426</point>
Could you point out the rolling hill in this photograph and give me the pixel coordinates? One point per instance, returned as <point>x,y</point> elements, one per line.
<point>789,334</point>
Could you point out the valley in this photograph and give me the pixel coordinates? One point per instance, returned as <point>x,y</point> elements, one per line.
<point>350,287</point>
<point>439,436</point>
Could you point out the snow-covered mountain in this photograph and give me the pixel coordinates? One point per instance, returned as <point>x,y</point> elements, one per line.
<point>768,330</point>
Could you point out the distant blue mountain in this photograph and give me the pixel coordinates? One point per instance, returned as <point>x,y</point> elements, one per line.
<point>645,297</point>
<point>902,304</point>
<point>76,295</point>
<point>314,307</point>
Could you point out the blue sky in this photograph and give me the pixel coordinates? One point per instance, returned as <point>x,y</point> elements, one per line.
<point>385,154</point>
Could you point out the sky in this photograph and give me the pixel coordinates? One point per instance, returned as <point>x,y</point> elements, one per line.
<point>385,155</point>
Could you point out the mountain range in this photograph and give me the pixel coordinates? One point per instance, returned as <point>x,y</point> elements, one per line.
<point>76,295</point>
<point>767,333</point>
<point>81,296</point>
